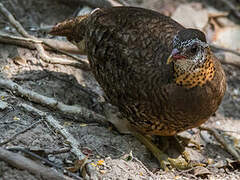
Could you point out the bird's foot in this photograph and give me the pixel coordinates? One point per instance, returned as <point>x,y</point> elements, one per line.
<point>165,161</point>
<point>182,162</point>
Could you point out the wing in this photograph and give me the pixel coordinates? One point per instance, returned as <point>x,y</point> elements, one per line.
<point>127,49</point>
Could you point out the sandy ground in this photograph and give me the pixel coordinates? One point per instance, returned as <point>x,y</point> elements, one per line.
<point>67,85</point>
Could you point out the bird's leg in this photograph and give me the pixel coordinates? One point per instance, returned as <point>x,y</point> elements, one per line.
<point>182,162</point>
<point>123,126</point>
<point>160,155</point>
<point>184,141</point>
<point>165,161</point>
<point>180,143</point>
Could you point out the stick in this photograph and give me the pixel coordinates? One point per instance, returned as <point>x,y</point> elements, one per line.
<point>50,102</point>
<point>48,44</point>
<point>144,167</point>
<point>36,44</point>
<point>15,23</point>
<point>230,59</point>
<point>42,151</point>
<point>36,156</point>
<point>59,128</point>
<point>94,3</point>
<point>20,162</point>
<point>83,65</point>
<point>221,140</point>
<point>215,47</point>
<point>21,132</point>
<point>232,7</point>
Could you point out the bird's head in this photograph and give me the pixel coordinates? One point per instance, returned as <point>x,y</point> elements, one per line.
<point>192,59</point>
<point>190,50</point>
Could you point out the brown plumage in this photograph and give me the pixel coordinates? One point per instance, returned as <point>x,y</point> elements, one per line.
<point>163,77</point>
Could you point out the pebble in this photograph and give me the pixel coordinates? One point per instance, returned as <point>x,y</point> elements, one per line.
<point>3,105</point>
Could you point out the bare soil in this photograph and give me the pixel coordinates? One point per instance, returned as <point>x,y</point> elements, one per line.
<point>67,84</point>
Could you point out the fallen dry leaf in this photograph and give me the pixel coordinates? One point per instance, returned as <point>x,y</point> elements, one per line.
<point>78,165</point>
<point>201,171</point>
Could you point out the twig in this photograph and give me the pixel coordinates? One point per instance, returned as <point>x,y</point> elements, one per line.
<point>34,155</point>
<point>220,139</point>
<point>83,65</point>
<point>146,169</point>
<point>229,56</point>
<point>19,161</point>
<point>42,151</point>
<point>15,23</point>
<point>59,128</point>
<point>232,7</point>
<point>217,14</point>
<point>215,47</point>
<point>52,44</point>
<point>69,138</point>
<point>123,2</point>
<point>21,132</point>
<point>50,102</point>
<point>48,44</point>
<point>37,45</point>
<point>94,3</point>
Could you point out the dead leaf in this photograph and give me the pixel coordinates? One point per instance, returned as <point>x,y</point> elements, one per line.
<point>15,118</point>
<point>102,171</point>
<point>83,125</point>
<point>201,171</point>
<point>19,60</point>
<point>86,151</point>
<point>78,165</point>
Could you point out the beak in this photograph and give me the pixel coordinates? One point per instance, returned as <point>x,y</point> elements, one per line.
<point>171,58</point>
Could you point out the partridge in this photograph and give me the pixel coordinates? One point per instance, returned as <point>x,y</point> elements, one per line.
<point>163,77</point>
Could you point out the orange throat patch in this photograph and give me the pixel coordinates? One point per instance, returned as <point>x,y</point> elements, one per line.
<point>195,78</point>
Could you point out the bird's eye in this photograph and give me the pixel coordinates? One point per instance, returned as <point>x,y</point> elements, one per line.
<point>194,49</point>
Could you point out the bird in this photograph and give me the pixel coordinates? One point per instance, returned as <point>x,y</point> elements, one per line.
<point>163,77</point>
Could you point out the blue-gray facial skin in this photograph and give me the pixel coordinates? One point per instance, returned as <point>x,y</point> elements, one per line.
<point>190,54</point>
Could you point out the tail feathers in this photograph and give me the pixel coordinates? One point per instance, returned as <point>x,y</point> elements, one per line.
<point>67,27</point>
<point>73,29</point>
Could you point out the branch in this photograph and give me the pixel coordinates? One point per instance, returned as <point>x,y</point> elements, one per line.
<point>59,128</point>
<point>18,161</point>
<point>21,132</point>
<point>28,43</point>
<point>215,47</point>
<point>93,3</point>
<point>230,59</point>
<point>15,23</point>
<point>69,138</point>
<point>221,140</point>
<point>41,151</point>
<point>49,44</point>
<point>37,43</point>
<point>29,153</point>
<point>51,102</point>
<point>232,7</point>
<point>230,56</point>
